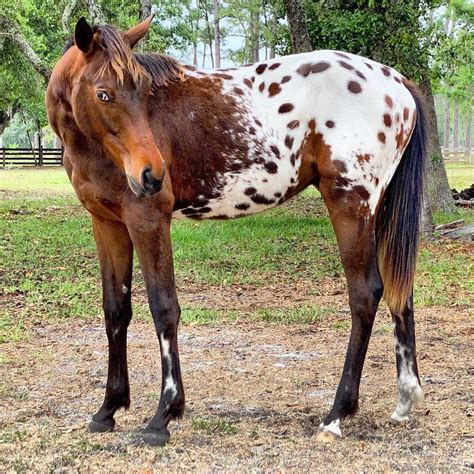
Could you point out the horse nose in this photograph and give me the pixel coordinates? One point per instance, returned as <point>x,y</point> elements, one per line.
<point>150,184</point>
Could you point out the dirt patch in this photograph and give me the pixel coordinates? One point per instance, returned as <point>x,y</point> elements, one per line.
<point>255,396</point>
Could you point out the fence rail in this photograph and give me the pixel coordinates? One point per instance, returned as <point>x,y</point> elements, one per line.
<point>458,156</point>
<point>31,157</point>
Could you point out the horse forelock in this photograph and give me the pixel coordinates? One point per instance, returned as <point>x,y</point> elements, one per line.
<point>122,60</point>
<point>119,56</point>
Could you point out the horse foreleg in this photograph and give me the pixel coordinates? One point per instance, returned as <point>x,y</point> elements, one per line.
<point>153,244</point>
<point>357,248</point>
<point>409,389</point>
<point>115,252</point>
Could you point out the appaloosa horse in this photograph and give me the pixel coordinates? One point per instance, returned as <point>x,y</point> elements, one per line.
<point>147,139</point>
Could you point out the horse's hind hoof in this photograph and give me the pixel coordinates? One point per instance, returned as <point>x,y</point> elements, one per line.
<point>326,437</point>
<point>156,437</point>
<point>101,426</point>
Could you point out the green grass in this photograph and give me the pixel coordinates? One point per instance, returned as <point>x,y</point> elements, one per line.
<point>49,270</point>
<point>213,425</point>
<point>460,175</point>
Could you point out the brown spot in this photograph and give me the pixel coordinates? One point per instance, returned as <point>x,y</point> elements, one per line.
<point>320,67</point>
<point>252,130</point>
<point>261,68</point>
<point>387,120</point>
<point>405,113</point>
<point>346,65</point>
<point>274,89</point>
<point>385,70</point>
<point>285,108</point>
<point>274,66</point>
<point>271,167</point>
<point>304,70</point>
<point>312,124</point>
<point>289,141</point>
<point>261,86</point>
<point>397,80</point>
<point>285,79</point>
<point>260,199</point>
<point>397,117</point>
<point>361,191</point>
<point>248,83</point>
<point>275,150</point>
<point>243,206</point>
<point>376,180</point>
<point>340,166</point>
<point>369,65</point>
<point>252,78</point>
<point>250,191</point>
<point>365,158</point>
<point>292,159</point>
<point>342,55</point>
<point>293,124</point>
<point>354,87</point>
<point>257,122</point>
<point>381,136</point>
<point>330,124</point>
<point>222,76</point>
<point>361,75</point>
<point>389,101</point>
<point>189,67</point>
<point>400,137</point>
<point>264,180</point>
<point>277,195</point>
<point>238,91</point>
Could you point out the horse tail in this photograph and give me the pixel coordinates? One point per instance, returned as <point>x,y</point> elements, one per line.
<point>398,217</point>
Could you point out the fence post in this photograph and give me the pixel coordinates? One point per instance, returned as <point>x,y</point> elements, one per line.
<point>40,150</point>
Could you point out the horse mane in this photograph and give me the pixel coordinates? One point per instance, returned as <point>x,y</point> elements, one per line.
<point>120,58</point>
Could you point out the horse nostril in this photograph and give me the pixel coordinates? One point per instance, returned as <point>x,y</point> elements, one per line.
<point>149,182</point>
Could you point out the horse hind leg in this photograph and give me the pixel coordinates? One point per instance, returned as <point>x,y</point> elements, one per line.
<point>354,228</point>
<point>408,381</point>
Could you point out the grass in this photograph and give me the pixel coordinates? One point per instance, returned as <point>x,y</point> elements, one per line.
<point>213,425</point>
<point>49,270</point>
<point>460,175</point>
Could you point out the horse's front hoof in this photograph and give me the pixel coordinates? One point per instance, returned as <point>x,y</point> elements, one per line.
<point>101,426</point>
<point>326,437</point>
<point>396,419</point>
<point>156,437</point>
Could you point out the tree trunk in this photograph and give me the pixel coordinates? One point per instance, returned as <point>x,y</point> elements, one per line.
<point>456,127</point>
<point>95,12</point>
<point>217,34</point>
<point>254,36</point>
<point>195,54</point>
<point>297,24</point>
<point>467,141</point>
<point>17,38</point>
<point>438,194</point>
<point>145,9</point>
<point>446,123</point>
<point>69,10</point>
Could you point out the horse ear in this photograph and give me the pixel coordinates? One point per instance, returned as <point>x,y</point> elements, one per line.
<point>84,36</point>
<point>137,32</point>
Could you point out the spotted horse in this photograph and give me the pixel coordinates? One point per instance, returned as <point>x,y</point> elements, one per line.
<point>148,139</point>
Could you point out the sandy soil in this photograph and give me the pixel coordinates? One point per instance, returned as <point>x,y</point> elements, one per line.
<point>256,393</point>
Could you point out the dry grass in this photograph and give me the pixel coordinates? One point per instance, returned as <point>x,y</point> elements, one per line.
<point>255,395</point>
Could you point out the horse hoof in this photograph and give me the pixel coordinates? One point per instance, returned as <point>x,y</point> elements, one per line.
<point>101,426</point>
<point>156,438</point>
<point>396,419</point>
<point>326,437</point>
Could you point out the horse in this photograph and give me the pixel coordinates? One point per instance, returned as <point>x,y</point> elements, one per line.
<point>148,139</point>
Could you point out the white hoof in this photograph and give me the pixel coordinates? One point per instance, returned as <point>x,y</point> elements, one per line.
<point>397,419</point>
<point>326,437</point>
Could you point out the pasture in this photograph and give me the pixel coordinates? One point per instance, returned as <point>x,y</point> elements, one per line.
<point>263,334</point>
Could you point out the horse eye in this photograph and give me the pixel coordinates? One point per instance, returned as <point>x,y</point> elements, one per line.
<point>102,96</point>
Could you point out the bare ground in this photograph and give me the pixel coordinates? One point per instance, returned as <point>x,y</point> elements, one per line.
<point>256,393</point>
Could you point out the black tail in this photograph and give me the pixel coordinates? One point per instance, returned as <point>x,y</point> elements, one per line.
<point>399,214</point>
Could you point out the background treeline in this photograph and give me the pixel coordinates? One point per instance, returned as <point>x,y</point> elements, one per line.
<point>430,41</point>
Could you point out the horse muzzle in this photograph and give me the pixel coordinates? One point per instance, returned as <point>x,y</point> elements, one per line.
<point>148,186</point>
